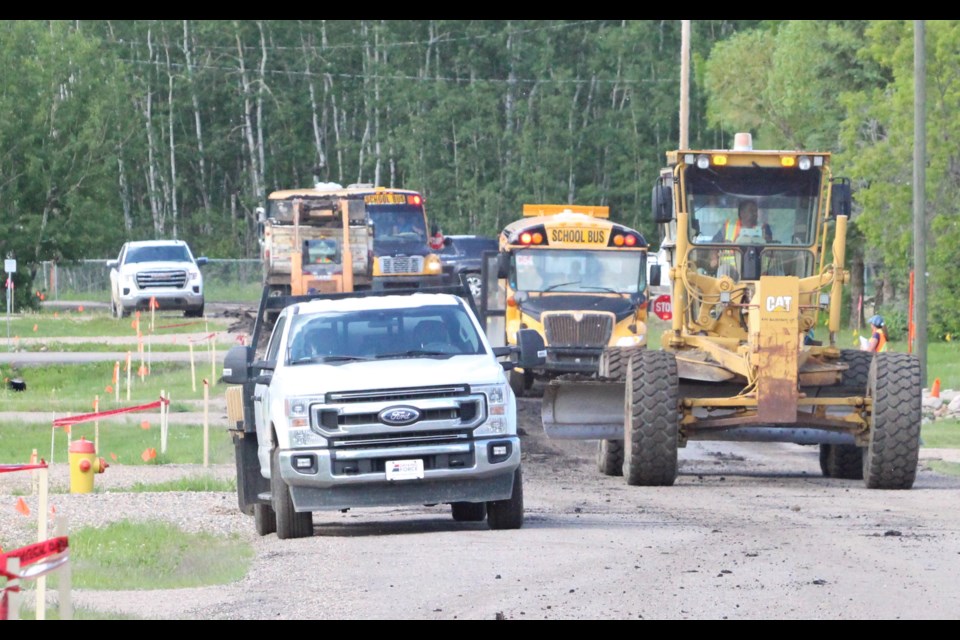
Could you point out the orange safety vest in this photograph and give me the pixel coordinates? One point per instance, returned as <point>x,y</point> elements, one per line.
<point>881,337</point>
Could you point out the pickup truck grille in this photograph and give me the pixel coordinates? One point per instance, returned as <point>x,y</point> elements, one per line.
<point>168,279</point>
<point>390,265</point>
<point>445,414</point>
<point>565,329</point>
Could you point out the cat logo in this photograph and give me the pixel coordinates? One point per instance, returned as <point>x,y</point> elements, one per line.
<point>779,303</point>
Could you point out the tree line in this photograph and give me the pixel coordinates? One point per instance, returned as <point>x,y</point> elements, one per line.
<point>132,129</point>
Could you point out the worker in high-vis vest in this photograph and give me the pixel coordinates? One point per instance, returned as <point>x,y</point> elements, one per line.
<point>748,215</point>
<point>743,229</point>
<point>878,340</point>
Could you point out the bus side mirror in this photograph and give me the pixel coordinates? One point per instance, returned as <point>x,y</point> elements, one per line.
<point>841,198</point>
<point>503,265</point>
<point>662,202</point>
<point>655,275</point>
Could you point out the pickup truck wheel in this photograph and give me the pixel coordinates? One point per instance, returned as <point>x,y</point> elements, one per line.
<point>290,523</point>
<point>118,311</point>
<point>194,313</point>
<point>652,421</point>
<point>264,518</point>
<point>890,459</point>
<point>610,457</point>
<point>508,514</point>
<point>469,511</point>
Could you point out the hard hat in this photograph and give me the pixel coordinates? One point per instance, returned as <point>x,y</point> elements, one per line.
<point>876,321</point>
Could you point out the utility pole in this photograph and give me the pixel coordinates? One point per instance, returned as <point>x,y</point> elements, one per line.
<point>919,195</point>
<point>684,84</point>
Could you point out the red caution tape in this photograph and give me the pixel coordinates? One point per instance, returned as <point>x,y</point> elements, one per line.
<point>33,553</point>
<point>182,324</point>
<point>8,468</point>
<point>206,337</point>
<point>87,417</point>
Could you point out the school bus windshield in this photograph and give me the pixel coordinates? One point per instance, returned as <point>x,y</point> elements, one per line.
<point>579,271</point>
<point>398,223</point>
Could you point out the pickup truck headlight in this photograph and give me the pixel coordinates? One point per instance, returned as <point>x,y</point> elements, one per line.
<point>498,419</point>
<point>193,275</point>
<point>297,411</point>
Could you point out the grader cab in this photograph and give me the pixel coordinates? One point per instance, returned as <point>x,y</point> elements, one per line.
<point>756,247</point>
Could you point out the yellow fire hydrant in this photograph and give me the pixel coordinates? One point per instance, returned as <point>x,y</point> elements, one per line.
<point>83,464</point>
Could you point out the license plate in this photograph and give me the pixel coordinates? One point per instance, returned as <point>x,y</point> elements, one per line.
<point>404,469</point>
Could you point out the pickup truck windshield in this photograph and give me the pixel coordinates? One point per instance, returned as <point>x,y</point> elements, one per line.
<point>424,331</point>
<point>158,254</point>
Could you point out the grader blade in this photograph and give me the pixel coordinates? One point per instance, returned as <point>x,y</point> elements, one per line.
<point>583,409</point>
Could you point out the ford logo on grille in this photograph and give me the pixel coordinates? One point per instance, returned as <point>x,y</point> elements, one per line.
<point>399,416</point>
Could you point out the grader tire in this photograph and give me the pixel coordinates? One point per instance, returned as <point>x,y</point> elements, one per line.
<point>613,363</point>
<point>844,461</point>
<point>890,460</point>
<point>652,420</point>
<point>610,457</point>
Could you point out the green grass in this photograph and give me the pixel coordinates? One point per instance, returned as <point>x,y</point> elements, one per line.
<point>942,434</point>
<point>96,324</point>
<point>72,388</point>
<point>193,483</point>
<point>119,443</point>
<point>149,346</point>
<point>156,555</point>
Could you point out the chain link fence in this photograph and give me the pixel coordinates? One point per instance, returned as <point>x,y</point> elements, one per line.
<point>223,280</point>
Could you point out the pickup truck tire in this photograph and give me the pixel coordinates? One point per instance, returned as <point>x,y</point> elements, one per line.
<point>652,423</point>
<point>890,460</point>
<point>194,313</point>
<point>469,511</point>
<point>610,457</point>
<point>508,514</point>
<point>264,518</point>
<point>117,310</point>
<point>290,523</point>
<point>844,461</point>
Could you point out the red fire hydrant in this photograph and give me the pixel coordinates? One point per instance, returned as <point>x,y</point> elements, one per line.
<point>83,464</point>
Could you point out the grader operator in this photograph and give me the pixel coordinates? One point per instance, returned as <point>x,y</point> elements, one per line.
<point>756,248</point>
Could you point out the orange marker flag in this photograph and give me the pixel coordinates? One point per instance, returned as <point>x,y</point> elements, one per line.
<point>56,314</point>
<point>113,456</point>
<point>108,388</point>
<point>34,327</point>
<point>145,425</point>
<point>22,507</point>
<point>80,308</point>
<point>148,454</point>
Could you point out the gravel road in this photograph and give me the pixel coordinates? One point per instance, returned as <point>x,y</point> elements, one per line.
<point>749,531</point>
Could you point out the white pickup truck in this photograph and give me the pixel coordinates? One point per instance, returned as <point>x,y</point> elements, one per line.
<point>162,272</point>
<point>374,399</point>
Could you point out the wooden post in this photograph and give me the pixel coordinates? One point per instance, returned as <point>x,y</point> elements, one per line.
<point>13,589</point>
<point>116,381</point>
<point>193,370</point>
<point>163,423</point>
<point>41,536</point>
<point>213,358</point>
<point>35,476</point>
<point>96,424</point>
<point>206,424</point>
<point>128,376</point>
<point>65,576</point>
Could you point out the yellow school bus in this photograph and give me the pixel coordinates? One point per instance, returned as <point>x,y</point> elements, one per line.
<point>576,277</point>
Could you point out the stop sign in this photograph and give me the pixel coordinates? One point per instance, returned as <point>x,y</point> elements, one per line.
<point>662,307</point>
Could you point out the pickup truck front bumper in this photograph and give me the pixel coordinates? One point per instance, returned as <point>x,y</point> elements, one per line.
<point>475,471</point>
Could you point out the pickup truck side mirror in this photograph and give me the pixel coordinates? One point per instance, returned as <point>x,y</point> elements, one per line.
<point>201,261</point>
<point>236,364</point>
<point>264,369</point>
<point>112,264</point>
<point>532,352</point>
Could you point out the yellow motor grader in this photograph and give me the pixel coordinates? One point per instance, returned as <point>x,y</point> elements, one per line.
<point>739,361</point>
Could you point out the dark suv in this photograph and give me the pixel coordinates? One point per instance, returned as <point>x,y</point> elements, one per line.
<point>461,257</point>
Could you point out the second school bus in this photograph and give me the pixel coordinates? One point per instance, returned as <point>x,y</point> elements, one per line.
<point>576,277</point>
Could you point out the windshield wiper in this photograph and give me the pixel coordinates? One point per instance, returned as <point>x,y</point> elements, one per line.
<point>329,358</point>
<point>560,284</point>
<point>413,353</point>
